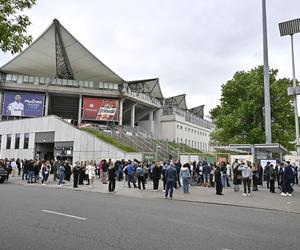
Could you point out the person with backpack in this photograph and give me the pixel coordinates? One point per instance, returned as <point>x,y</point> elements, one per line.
<point>247,176</point>
<point>140,176</point>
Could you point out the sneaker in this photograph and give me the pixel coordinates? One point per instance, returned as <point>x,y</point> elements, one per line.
<point>283,194</point>
<point>244,194</point>
<point>164,190</point>
<point>288,194</point>
<point>249,194</point>
<point>44,184</point>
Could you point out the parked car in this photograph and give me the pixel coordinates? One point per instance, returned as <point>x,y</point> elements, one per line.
<point>3,175</point>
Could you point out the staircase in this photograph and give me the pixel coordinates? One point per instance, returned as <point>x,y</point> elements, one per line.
<point>139,139</point>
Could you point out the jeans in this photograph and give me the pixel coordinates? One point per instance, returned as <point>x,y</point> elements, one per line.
<point>246,183</point>
<point>25,175</point>
<point>45,177</point>
<point>141,180</point>
<point>111,185</point>
<point>206,178</point>
<point>169,188</point>
<point>224,181</point>
<point>185,183</point>
<point>61,178</point>
<point>131,179</point>
<point>30,177</point>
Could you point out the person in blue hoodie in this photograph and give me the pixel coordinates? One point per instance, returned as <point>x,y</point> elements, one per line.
<point>130,174</point>
<point>287,179</point>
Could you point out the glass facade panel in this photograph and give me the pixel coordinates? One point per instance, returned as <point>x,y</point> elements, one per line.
<point>8,141</point>
<point>26,141</point>
<point>17,141</point>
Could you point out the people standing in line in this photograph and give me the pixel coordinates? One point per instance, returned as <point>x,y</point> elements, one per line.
<point>287,179</point>
<point>130,174</point>
<point>45,169</point>
<point>91,173</point>
<point>267,174</point>
<point>171,177</point>
<point>247,176</point>
<point>140,176</point>
<point>255,177</point>
<point>112,176</point>
<point>185,174</point>
<point>103,171</point>
<point>237,176</point>
<point>163,173</point>
<point>218,180</point>
<point>76,171</point>
<point>68,172</point>
<point>272,177</point>
<point>206,174</point>
<point>61,174</point>
<point>156,169</point>
<point>223,170</point>
<point>178,167</point>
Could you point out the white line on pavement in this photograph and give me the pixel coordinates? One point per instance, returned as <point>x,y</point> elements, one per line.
<point>63,214</point>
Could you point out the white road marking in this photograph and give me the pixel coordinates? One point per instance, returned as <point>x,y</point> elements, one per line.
<point>63,214</point>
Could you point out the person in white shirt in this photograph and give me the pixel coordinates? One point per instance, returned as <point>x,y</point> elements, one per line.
<point>14,167</point>
<point>16,108</point>
<point>91,172</point>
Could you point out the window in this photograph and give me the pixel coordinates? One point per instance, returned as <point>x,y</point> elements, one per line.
<point>26,141</point>
<point>17,141</point>
<point>8,141</point>
<point>0,140</point>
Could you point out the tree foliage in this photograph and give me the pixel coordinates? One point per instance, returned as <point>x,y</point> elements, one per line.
<point>240,116</point>
<point>13,24</point>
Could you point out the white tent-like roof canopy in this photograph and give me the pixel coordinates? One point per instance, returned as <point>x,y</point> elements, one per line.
<point>56,53</point>
<point>147,86</point>
<point>178,101</point>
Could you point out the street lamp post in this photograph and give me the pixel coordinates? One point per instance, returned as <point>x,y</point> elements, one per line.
<point>268,127</point>
<point>290,28</point>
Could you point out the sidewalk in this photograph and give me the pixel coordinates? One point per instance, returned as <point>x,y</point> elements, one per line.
<point>262,199</point>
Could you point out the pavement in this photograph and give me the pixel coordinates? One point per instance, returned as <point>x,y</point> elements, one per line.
<point>262,199</point>
<point>37,217</point>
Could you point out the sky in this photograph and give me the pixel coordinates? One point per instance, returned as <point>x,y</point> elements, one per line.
<point>193,46</point>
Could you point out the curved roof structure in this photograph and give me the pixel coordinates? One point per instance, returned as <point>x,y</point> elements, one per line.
<point>147,86</point>
<point>178,101</point>
<point>56,53</point>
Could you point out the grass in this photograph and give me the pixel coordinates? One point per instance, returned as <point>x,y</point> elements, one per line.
<point>182,147</point>
<point>109,139</point>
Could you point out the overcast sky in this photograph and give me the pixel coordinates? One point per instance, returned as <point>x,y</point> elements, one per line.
<point>192,46</point>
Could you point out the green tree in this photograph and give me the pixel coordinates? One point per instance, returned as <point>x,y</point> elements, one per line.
<point>13,24</point>
<point>240,116</point>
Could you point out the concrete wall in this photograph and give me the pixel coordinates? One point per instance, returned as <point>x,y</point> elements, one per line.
<point>86,146</point>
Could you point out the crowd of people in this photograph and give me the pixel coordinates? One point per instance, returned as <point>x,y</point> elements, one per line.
<point>171,174</point>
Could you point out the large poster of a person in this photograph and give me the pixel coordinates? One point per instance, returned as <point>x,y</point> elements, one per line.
<point>16,108</point>
<point>27,104</point>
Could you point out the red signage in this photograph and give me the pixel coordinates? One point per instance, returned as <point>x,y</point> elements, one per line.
<point>100,109</point>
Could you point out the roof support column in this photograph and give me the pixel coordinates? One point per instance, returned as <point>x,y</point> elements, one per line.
<point>1,104</point>
<point>79,109</point>
<point>133,115</point>
<point>121,112</point>
<point>151,120</point>
<point>46,104</point>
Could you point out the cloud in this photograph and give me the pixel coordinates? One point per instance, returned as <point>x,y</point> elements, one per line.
<point>192,46</point>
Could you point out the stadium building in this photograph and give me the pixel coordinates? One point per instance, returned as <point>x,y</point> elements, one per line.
<point>60,87</point>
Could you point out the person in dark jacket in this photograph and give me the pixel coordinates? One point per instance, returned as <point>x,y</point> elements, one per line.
<point>76,174</point>
<point>219,186</point>
<point>111,177</point>
<point>171,177</point>
<point>287,179</point>
<point>272,177</point>
<point>156,171</point>
<point>68,172</point>
<point>206,174</point>
<point>267,173</point>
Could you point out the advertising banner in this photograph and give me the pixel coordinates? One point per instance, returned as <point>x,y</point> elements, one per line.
<point>100,109</point>
<point>26,104</point>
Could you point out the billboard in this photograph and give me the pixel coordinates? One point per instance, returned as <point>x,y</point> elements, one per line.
<point>26,104</point>
<point>100,109</point>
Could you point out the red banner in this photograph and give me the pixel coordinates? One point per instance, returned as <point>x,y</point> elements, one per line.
<point>100,109</point>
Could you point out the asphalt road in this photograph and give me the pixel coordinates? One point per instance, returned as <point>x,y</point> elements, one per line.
<point>109,221</point>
